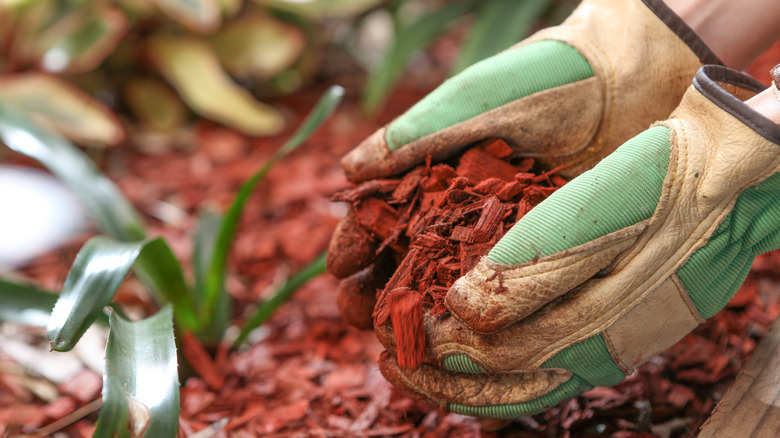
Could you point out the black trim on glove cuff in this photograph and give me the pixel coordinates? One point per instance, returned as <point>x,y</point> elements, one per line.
<point>706,81</point>
<point>683,31</point>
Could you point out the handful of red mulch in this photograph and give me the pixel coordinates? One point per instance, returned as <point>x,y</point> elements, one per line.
<point>435,224</point>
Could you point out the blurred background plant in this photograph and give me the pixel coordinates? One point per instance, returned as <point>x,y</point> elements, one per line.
<point>81,66</point>
<point>146,59</point>
<point>140,382</point>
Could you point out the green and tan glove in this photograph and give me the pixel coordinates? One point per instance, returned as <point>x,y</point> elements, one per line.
<point>569,94</point>
<point>614,267</point>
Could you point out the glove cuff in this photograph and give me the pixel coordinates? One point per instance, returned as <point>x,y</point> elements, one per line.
<point>644,65</point>
<point>722,148</point>
<point>569,94</point>
<point>722,85</point>
<point>683,31</point>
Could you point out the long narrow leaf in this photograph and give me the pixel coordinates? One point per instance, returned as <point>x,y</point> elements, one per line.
<point>28,305</point>
<point>265,309</point>
<point>409,39</point>
<point>215,277</point>
<point>141,382</point>
<point>25,304</point>
<point>499,24</point>
<point>158,268</point>
<point>204,241</point>
<point>100,267</point>
<point>112,211</point>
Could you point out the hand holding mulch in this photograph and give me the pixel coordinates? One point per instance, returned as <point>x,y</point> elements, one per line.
<point>608,271</point>
<point>434,225</point>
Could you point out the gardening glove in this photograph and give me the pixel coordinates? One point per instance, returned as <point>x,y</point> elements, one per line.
<point>614,267</point>
<point>569,94</point>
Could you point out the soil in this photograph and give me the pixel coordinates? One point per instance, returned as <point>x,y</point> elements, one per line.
<point>308,373</point>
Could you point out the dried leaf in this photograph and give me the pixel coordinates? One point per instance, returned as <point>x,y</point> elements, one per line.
<point>192,67</point>
<point>258,46</point>
<point>154,103</point>
<point>57,104</point>
<point>322,8</point>
<point>198,15</point>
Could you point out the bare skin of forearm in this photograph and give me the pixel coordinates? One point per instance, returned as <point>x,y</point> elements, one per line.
<point>767,102</point>
<point>737,31</point>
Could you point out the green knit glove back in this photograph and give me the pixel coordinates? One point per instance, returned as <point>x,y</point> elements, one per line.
<point>502,79</point>
<point>566,95</point>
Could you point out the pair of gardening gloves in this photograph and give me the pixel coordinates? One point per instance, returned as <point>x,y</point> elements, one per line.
<point>654,236</point>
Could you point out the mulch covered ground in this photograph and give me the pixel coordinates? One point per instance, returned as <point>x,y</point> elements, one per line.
<point>309,374</point>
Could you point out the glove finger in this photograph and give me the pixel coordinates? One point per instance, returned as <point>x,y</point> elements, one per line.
<point>357,294</point>
<point>578,231</point>
<point>356,302</point>
<point>541,97</point>
<point>351,248</point>
<point>551,338</point>
<point>484,395</point>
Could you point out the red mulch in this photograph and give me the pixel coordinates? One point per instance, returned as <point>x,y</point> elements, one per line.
<point>437,222</point>
<point>308,373</point>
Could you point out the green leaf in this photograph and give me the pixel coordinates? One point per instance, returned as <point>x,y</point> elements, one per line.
<point>158,268</point>
<point>409,39</point>
<point>323,8</point>
<point>25,304</point>
<point>258,46</point>
<point>100,267</point>
<point>215,276</point>
<point>112,211</point>
<point>141,382</point>
<point>265,309</point>
<point>57,104</point>
<point>499,25</point>
<point>198,15</point>
<point>192,67</point>
<point>28,305</point>
<point>204,241</point>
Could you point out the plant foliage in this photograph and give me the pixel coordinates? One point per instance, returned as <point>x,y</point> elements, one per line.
<point>140,395</point>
